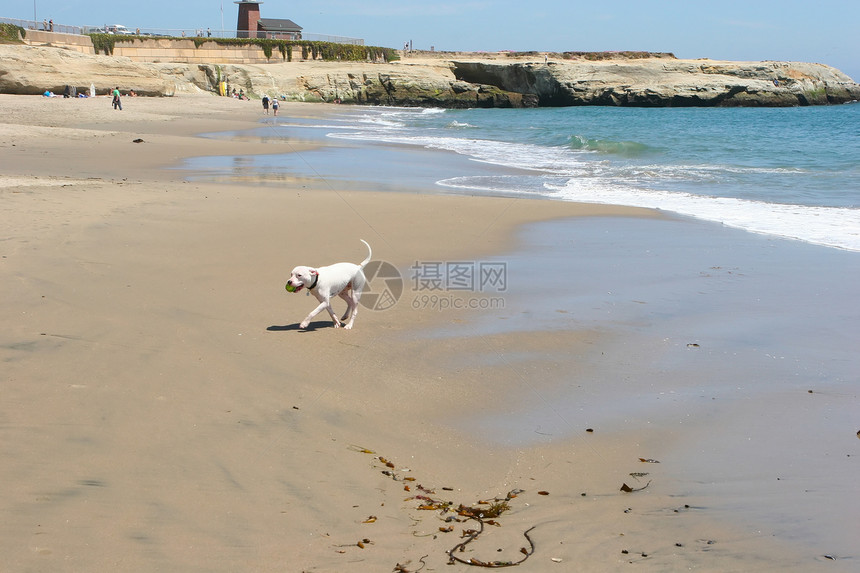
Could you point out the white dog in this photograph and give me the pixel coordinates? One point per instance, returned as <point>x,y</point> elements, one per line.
<point>340,279</point>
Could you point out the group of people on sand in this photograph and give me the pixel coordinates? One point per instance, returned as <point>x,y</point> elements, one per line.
<point>72,92</point>
<point>274,103</point>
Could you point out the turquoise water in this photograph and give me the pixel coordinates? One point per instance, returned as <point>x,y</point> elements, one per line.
<point>788,172</point>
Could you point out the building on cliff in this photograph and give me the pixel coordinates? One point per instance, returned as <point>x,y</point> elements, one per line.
<point>250,25</point>
<point>278,29</point>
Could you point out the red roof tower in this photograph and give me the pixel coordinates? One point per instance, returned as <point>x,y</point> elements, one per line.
<point>249,15</point>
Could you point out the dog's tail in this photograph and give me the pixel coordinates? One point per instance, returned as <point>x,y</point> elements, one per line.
<point>369,254</point>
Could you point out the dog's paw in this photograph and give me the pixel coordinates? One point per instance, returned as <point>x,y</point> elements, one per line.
<point>304,325</point>
<point>348,326</point>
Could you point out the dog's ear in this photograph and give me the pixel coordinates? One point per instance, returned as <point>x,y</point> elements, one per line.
<point>313,272</point>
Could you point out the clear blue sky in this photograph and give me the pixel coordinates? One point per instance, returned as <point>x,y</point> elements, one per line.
<point>825,31</point>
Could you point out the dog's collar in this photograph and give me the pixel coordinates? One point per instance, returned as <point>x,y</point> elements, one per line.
<point>316,280</point>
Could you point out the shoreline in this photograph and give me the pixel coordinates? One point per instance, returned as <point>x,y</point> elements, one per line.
<point>164,412</point>
<point>352,152</point>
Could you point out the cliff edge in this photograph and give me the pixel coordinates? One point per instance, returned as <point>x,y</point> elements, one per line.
<point>449,80</point>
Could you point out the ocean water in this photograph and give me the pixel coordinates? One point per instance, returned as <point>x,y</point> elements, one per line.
<point>787,172</point>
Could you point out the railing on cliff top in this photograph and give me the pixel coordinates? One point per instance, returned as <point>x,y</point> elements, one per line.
<point>45,25</point>
<point>49,26</point>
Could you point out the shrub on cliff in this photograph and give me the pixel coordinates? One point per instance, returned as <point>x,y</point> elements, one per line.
<point>621,55</point>
<point>12,34</point>
<point>103,43</point>
<point>326,51</point>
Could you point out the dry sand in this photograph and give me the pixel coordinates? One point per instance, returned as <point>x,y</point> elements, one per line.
<point>161,411</point>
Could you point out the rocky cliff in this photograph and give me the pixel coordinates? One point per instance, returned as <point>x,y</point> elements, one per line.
<point>662,82</point>
<point>32,70</point>
<point>461,80</point>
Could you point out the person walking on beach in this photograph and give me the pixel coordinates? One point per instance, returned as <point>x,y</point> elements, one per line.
<point>266,104</point>
<point>275,106</point>
<point>117,102</point>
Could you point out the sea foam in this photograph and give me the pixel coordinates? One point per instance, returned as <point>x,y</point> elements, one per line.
<point>716,167</point>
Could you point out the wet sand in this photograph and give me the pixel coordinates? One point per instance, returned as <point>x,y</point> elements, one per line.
<point>162,410</point>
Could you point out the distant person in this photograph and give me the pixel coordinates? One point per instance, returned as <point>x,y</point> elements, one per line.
<point>208,32</point>
<point>266,104</point>
<point>117,102</point>
<point>51,25</point>
<point>275,106</point>
<point>45,25</point>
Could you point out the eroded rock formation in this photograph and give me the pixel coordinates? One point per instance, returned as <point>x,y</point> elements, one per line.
<point>455,82</point>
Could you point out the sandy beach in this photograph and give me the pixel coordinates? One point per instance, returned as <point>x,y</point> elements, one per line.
<point>162,411</point>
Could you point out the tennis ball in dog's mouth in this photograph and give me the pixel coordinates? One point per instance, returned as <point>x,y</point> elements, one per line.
<point>290,288</point>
